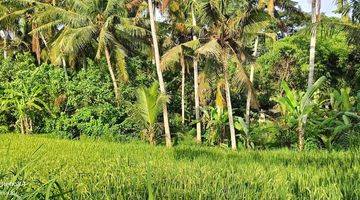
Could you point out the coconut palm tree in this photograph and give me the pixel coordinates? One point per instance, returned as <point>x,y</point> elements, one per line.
<point>284,5</point>
<point>99,27</point>
<point>11,23</point>
<point>227,33</point>
<point>177,54</point>
<point>190,9</point>
<point>194,6</point>
<point>252,71</point>
<point>159,72</point>
<point>16,17</point>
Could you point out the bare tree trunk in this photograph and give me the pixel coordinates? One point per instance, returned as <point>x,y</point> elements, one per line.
<point>182,62</point>
<point>64,68</point>
<point>35,44</point>
<point>271,7</point>
<point>112,74</point>
<point>26,125</point>
<point>248,100</point>
<point>315,5</point>
<point>5,51</point>
<point>22,128</point>
<point>301,133</point>
<point>159,73</point>
<point>152,136</point>
<point>228,103</point>
<point>315,11</point>
<point>30,125</point>
<point>196,86</point>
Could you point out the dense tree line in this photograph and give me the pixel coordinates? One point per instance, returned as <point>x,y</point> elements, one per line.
<point>249,74</point>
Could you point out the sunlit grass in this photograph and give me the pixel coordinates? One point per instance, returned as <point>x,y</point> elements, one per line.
<point>96,170</point>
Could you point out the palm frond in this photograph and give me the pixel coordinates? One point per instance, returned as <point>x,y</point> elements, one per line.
<point>212,49</point>
<point>127,26</point>
<point>172,56</point>
<point>241,78</point>
<point>120,61</point>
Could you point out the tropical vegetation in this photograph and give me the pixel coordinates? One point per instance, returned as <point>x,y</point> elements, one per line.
<point>261,77</point>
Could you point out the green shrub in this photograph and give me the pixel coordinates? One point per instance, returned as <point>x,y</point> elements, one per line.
<point>88,107</point>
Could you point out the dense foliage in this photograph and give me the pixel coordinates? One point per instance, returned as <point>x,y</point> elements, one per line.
<point>86,68</point>
<point>201,76</point>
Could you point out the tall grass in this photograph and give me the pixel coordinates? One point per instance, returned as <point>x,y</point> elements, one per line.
<point>101,170</point>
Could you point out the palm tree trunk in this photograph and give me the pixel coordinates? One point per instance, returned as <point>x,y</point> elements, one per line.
<point>248,100</point>
<point>196,86</point>
<point>112,74</point>
<point>35,44</point>
<point>315,10</point>
<point>159,73</point>
<point>5,52</point>
<point>64,68</point>
<point>271,7</point>
<point>228,103</point>
<point>182,63</point>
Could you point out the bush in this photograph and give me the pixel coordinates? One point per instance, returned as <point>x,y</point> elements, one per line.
<point>26,92</point>
<point>89,108</point>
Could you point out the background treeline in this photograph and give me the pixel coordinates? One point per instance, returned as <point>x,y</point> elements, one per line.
<point>89,68</point>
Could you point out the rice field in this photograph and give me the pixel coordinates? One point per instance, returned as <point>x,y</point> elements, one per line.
<point>38,167</point>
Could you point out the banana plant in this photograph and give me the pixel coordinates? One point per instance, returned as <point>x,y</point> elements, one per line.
<point>336,126</point>
<point>340,100</point>
<point>215,122</point>
<point>149,106</point>
<point>296,106</point>
<point>23,100</point>
<point>342,117</point>
<point>242,126</point>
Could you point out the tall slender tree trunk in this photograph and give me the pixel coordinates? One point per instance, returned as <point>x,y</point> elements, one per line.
<point>5,46</point>
<point>112,74</point>
<point>64,68</point>
<point>315,10</point>
<point>182,63</point>
<point>196,85</point>
<point>301,133</point>
<point>159,73</point>
<point>228,102</point>
<point>35,44</point>
<point>248,100</point>
<point>271,7</point>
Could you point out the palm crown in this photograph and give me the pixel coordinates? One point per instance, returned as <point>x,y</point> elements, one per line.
<point>89,27</point>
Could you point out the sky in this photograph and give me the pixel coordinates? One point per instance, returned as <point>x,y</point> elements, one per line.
<point>327,6</point>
